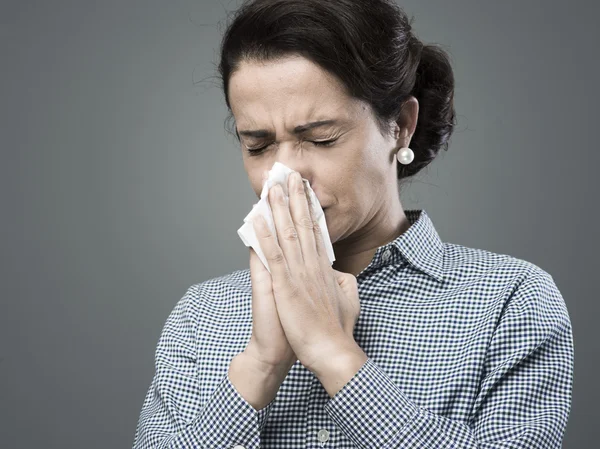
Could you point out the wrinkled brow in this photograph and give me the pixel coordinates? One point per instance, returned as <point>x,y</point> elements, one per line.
<point>262,133</point>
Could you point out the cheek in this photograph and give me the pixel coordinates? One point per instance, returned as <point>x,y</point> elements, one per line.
<point>254,172</point>
<point>255,183</point>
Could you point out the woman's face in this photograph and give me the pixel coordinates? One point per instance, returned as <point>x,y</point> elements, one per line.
<point>352,172</point>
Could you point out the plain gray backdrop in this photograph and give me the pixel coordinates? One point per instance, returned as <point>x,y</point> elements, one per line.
<point>120,187</point>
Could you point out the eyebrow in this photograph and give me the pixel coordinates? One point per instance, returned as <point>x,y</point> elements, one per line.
<point>261,133</point>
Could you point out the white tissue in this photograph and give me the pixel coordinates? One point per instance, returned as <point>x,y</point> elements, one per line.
<point>279,175</point>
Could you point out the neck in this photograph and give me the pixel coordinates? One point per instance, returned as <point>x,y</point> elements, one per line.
<point>354,253</point>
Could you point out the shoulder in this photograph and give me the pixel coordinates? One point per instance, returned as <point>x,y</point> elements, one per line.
<point>471,263</point>
<point>519,284</point>
<point>238,280</point>
<point>226,291</point>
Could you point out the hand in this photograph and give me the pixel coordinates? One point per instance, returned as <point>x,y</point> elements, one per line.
<point>318,306</point>
<point>268,344</point>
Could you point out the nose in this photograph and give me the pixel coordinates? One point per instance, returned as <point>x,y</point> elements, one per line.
<point>295,159</point>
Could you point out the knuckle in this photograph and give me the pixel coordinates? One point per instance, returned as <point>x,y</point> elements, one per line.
<point>306,278</point>
<point>316,227</point>
<point>277,257</point>
<point>294,291</point>
<point>290,233</point>
<point>305,222</point>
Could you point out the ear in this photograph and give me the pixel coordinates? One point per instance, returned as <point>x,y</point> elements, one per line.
<point>407,121</point>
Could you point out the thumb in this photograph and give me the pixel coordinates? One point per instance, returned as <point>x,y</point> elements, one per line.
<point>347,282</point>
<point>349,287</point>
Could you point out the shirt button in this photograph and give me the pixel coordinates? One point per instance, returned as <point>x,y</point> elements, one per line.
<point>386,255</point>
<point>323,435</point>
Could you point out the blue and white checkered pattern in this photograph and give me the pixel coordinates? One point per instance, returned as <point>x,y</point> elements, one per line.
<point>467,349</point>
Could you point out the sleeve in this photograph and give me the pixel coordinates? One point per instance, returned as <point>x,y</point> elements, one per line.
<point>523,402</point>
<point>172,415</point>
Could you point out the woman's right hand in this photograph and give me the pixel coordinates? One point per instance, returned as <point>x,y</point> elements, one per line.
<point>268,344</point>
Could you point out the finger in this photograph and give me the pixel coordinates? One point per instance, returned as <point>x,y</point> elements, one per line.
<point>287,234</point>
<point>318,234</point>
<point>300,211</point>
<point>280,274</point>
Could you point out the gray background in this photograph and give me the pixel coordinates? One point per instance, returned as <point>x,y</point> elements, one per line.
<point>120,188</point>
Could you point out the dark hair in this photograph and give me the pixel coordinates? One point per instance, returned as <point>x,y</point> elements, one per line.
<point>368,45</point>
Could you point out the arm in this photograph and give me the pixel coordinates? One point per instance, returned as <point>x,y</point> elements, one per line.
<point>256,382</point>
<point>172,415</point>
<point>523,402</point>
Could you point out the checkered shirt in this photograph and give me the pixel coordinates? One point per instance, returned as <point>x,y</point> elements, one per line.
<point>467,349</point>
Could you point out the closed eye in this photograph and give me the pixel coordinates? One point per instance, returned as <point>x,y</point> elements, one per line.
<point>318,143</point>
<point>323,143</point>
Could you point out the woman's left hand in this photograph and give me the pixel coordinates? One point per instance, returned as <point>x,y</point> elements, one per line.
<point>318,306</point>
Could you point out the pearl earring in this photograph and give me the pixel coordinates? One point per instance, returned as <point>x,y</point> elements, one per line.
<point>405,155</point>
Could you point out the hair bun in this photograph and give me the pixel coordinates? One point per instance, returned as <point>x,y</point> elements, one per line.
<point>434,89</point>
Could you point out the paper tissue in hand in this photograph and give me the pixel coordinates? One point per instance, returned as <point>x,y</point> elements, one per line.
<point>279,174</point>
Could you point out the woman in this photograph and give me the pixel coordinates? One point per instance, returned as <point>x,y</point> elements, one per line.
<point>448,347</point>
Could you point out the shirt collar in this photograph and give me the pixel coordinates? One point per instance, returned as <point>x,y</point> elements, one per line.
<point>420,246</point>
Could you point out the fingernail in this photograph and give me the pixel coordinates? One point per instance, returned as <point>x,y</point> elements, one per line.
<point>278,191</point>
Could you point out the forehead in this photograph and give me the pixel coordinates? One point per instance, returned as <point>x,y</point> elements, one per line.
<point>293,88</point>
